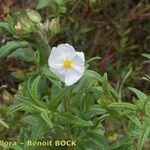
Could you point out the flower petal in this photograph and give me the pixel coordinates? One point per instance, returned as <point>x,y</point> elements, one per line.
<point>59,71</point>
<point>78,68</point>
<point>56,57</point>
<point>81,56</point>
<point>67,50</point>
<point>66,46</point>
<point>79,62</point>
<point>72,76</point>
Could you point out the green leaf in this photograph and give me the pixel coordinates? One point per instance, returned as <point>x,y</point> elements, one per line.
<point>80,87</point>
<point>92,59</point>
<point>17,147</point>
<point>44,3</point>
<point>99,139</point>
<point>9,47</point>
<point>47,118</point>
<point>123,105</point>
<point>144,135</point>
<point>39,128</point>
<point>134,119</point>
<point>146,77</point>
<point>146,55</point>
<point>16,108</point>
<point>3,124</point>
<point>122,143</point>
<point>34,16</point>
<point>105,85</point>
<point>35,107</point>
<point>95,109</point>
<point>142,96</point>
<point>72,119</point>
<point>57,5</point>
<point>5,26</point>
<point>55,99</point>
<point>108,89</point>
<point>37,87</point>
<point>24,54</point>
<point>124,80</point>
<point>93,75</point>
<point>51,76</point>
<point>42,52</point>
<point>23,137</point>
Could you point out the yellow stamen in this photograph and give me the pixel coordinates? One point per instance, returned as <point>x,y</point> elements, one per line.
<point>67,64</point>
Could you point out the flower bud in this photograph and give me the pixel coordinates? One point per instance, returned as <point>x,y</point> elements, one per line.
<point>42,26</point>
<point>18,27</point>
<point>54,26</point>
<point>27,24</point>
<point>34,16</point>
<point>23,25</point>
<point>45,26</point>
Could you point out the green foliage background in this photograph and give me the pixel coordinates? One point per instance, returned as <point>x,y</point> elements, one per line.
<point>101,114</point>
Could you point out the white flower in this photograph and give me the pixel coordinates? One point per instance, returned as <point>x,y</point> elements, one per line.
<point>66,63</point>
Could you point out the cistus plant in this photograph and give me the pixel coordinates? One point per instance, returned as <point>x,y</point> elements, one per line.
<point>60,98</point>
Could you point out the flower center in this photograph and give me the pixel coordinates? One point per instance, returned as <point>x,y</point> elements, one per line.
<point>67,64</point>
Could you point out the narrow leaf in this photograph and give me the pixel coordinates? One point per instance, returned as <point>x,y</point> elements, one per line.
<point>123,105</point>
<point>143,136</point>
<point>24,54</point>
<point>142,96</point>
<point>9,47</point>
<point>47,118</point>
<point>75,120</point>
<point>146,55</point>
<point>3,124</point>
